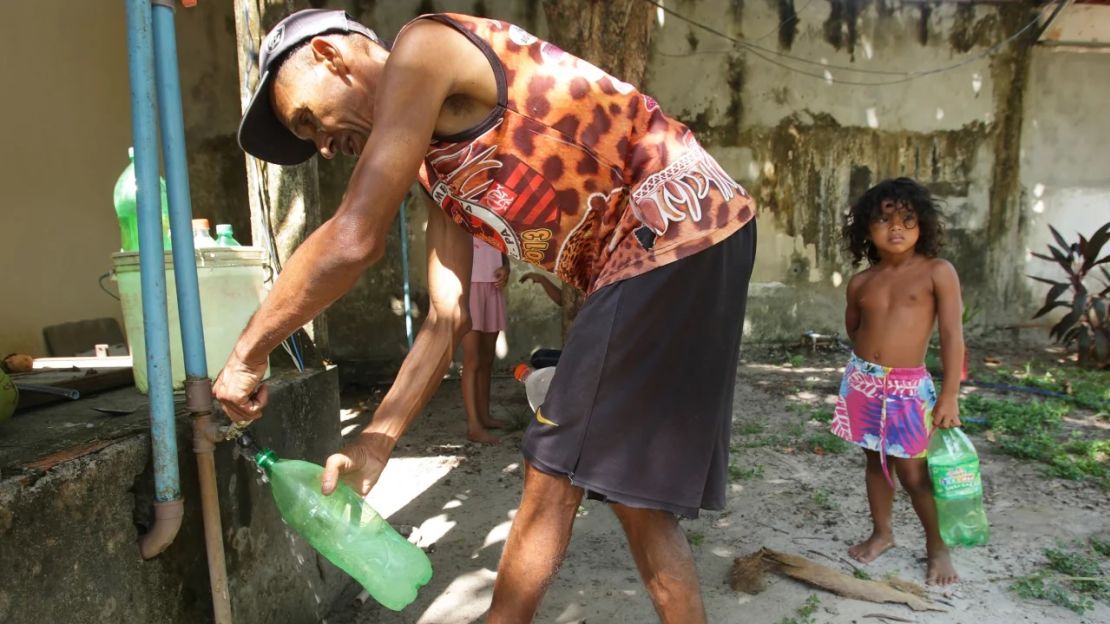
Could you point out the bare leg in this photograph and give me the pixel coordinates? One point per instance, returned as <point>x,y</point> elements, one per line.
<point>665,562</point>
<point>914,475</point>
<point>880,497</point>
<point>537,542</point>
<point>475,432</point>
<point>486,354</point>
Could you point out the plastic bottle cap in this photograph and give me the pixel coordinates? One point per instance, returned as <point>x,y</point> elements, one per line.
<point>200,223</point>
<point>131,153</point>
<point>521,371</point>
<point>223,228</point>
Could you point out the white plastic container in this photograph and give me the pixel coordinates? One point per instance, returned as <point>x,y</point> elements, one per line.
<point>232,285</point>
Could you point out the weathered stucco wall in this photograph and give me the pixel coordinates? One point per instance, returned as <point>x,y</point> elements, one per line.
<point>70,517</point>
<point>1064,174</point>
<point>807,146</point>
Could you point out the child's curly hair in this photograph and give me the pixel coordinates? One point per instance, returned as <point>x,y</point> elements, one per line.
<point>905,192</point>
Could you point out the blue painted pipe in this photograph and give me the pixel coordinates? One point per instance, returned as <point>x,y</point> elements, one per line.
<point>171,122</point>
<point>152,266</point>
<point>405,270</point>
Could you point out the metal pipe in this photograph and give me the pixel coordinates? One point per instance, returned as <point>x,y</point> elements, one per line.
<point>198,387</point>
<point>152,276</point>
<point>204,436</point>
<point>172,125</point>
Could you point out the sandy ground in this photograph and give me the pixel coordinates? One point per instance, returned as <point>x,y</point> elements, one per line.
<point>461,498</point>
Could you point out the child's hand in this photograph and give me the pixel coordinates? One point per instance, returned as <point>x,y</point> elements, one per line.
<point>501,276</point>
<point>946,414</point>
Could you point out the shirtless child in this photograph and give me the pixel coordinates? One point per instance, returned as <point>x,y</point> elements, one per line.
<point>888,404</point>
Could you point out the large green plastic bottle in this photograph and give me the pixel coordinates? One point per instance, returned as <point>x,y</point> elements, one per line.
<point>346,530</point>
<point>957,488</point>
<point>127,208</point>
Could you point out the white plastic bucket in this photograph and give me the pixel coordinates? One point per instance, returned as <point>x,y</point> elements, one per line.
<point>232,284</point>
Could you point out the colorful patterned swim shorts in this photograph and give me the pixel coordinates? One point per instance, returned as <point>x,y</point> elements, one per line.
<point>887,410</point>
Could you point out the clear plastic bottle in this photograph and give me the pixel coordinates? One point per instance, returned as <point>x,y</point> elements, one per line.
<point>202,235</point>
<point>957,488</point>
<point>536,381</point>
<point>345,529</point>
<point>225,237</point>
<point>127,207</point>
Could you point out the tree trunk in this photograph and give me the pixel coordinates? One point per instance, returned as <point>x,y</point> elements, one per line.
<point>615,36</point>
<point>284,201</point>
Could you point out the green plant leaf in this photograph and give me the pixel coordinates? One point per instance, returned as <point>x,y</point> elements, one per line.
<point>1079,304</point>
<point>1084,345</point>
<point>1063,260</point>
<point>1045,280</point>
<point>1059,239</point>
<point>1094,246</point>
<point>1102,346</point>
<point>1055,291</point>
<point>1073,333</point>
<point>1059,329</point>
<point>1048,307</point>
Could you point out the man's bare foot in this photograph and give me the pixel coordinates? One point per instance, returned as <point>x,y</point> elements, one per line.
<point>493,423</point>
<point>939,570</point>
<point>481,436</point>
<point>870,549</point>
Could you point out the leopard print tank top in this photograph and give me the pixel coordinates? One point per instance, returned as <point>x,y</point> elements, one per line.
<point>575,171</point>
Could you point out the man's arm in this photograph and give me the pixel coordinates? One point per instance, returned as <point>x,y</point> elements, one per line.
<point>449,256</point>
<point>946,285</point>
<point>413,86</point>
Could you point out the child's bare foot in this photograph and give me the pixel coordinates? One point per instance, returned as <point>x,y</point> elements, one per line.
<point>939,570</point>
<point>493,423</point>
<point>870,549</point>
<point>481,436</point>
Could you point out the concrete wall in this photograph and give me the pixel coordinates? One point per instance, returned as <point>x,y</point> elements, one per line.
<point>1064,176</point>
<point>68,536</point>
<point>66,141</point>
<point>807,146</point>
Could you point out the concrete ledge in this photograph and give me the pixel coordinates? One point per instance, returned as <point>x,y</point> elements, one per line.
<point>71,514</point>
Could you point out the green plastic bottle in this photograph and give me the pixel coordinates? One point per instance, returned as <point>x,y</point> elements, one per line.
<point>127,208</point>
<point>957,488</point>
<point>346,530</point>
<point>225,237</point>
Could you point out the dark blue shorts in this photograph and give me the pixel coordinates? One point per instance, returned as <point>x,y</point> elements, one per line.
<point>640,408</point>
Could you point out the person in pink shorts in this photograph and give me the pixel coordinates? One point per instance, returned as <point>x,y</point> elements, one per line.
<point>488,275</point>
<point>888,404</point>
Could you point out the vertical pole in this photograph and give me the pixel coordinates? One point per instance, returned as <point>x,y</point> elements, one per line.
<point>152,268</point>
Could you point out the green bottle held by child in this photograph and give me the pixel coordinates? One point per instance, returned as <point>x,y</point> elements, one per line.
<point>957,488</point>
<point>127,207</point>
<point>346,530</point>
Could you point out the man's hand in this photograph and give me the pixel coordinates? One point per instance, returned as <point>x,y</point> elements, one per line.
<point>240,390</point>
<point>359,464</point>
<point>530,277</point>
<point>946,413</point>
<point>501,276</point>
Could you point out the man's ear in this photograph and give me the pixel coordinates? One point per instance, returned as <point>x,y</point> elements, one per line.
<point>325,51</point>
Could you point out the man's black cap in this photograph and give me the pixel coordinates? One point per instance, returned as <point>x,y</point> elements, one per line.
<point>260,133</point>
